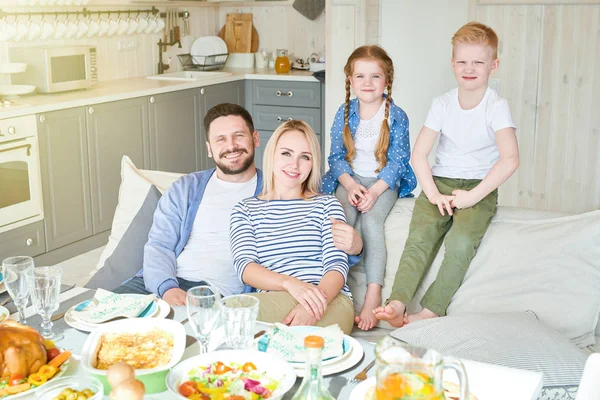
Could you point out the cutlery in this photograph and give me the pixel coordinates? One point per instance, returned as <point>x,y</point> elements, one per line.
<point>6,300</point>
<point>57,317</point>
<point>362,375</point>
<point>259,334</point>
<point>3,317</point>
<point>184,321</point>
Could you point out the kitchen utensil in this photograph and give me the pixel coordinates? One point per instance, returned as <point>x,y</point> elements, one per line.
<point>186,23</point>
<point>166,33</point>
<point>238,33</point>
<point>254,42</point>
<point>176,29</point>
<point>362,375</point>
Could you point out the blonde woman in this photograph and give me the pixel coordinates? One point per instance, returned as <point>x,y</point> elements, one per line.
<point>282,242</point>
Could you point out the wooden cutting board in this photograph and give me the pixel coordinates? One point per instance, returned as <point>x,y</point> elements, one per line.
<point>238,33</point>
<point>253,44</point>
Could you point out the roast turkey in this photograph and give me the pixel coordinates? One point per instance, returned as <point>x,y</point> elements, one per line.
<point>22,349</point>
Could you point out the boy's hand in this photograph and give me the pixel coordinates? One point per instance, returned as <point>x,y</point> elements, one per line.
<point>356,194</point>
<point>463,199</point>
<point>443,202</point>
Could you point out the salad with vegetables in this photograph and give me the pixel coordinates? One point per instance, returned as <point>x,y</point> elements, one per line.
<point>232,381</point>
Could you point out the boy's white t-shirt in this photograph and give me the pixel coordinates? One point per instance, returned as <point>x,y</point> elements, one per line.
<point>365,142</point>
<point>207,254</point>
<point>467,148</point>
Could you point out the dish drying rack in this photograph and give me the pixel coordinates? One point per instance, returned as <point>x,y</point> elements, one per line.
<point>202,63</point>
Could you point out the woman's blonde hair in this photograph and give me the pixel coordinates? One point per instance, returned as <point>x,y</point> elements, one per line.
<point>370,53</point>
<point>476,33</point>
<point>310,187</point>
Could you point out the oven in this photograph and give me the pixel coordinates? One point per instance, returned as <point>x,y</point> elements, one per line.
<point>20,177</point>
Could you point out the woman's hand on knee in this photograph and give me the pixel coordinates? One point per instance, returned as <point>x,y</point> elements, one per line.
<point>299,316</point>
<point>309,296</point>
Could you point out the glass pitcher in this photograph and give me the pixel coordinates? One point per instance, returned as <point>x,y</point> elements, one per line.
<point>406,372</point>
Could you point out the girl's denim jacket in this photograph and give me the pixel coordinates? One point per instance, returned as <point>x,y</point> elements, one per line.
<point>397,172</point>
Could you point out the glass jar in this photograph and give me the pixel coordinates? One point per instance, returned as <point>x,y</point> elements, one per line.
<point>282,62</point>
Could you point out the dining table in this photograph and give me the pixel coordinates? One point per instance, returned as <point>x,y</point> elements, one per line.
<point>486,381</point>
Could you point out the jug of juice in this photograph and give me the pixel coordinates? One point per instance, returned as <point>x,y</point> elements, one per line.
<point>406,372</point>
<point>282,62</point>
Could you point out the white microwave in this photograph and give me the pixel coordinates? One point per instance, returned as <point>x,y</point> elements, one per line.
<point>56,69</point>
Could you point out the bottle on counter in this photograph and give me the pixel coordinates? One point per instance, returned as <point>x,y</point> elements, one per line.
<point>282,62</point>
<point>312,386</point>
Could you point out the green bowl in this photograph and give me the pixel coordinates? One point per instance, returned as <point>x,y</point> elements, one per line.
<point>155,382</point>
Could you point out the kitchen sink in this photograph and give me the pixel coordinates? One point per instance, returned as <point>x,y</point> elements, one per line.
<point>189,75</point>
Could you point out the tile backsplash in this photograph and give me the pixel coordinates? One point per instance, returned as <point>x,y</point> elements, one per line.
<point>121,57</point>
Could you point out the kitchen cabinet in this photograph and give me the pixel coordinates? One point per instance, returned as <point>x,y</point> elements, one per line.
<point>231,92</point>
<point>65,176</point>
<point>114,129</point>
<point>273,102</point>
<point>26,240</point>
<point>175,140</point>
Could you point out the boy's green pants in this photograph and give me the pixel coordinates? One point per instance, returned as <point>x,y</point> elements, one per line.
<point>427,229</point>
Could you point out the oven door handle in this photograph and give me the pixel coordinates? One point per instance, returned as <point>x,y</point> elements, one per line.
<point>26,146</point>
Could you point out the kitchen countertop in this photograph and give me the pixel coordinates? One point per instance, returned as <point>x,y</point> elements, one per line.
<point>122,89</point>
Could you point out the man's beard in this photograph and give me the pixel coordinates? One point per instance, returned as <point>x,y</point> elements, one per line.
<point>236,170</point>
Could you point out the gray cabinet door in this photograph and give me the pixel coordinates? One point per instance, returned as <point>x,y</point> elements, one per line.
<point>175,131</point>
<point>65,176</point>
<point>27,240</point>
<point>114,129</point>
<point>210,96</point>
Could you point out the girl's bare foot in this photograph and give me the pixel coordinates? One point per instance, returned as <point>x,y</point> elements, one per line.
<point>393,313</point>
<point>423,314</point>
<point>366,319</point>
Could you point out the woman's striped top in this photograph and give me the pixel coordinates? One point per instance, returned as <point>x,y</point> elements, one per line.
<point>291,237</point>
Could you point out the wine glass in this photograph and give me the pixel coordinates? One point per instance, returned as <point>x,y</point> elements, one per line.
<point>44,285</point>
<point>203,313</point>
<point>14,270</point>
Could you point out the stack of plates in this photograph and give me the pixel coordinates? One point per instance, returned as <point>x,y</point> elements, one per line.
<point>157,309</point>
<point>352,353</point>
<point>207,46</point>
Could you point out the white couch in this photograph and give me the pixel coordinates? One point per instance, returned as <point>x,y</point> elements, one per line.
<point>546,262</point>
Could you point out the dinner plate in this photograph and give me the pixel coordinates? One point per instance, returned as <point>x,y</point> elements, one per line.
<point>275,368</point>
<point>60,372</point>
<point>362,389</point>
<point>354,356</point>
<point>263,343</point>
<point>162,312</point>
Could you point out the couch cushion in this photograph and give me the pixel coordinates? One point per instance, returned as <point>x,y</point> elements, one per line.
<point>539,261</point>
<point>134,187</point>
<point>128,257</point>
<point>515,340</point>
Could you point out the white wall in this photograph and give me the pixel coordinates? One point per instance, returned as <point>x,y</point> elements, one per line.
<point>418,40</point>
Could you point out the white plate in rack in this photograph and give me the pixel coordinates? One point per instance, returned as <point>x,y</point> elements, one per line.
<point>16,90</point>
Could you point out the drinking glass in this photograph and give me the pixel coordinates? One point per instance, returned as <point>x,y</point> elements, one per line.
<point>14,270</point>
<point>44,285</point>
<point>239,314</point>
<point>203,313</point>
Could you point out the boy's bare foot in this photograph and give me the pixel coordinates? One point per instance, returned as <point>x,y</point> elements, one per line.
<point>366,319</point>
<point>393,313</point>
<point>423,314</point>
